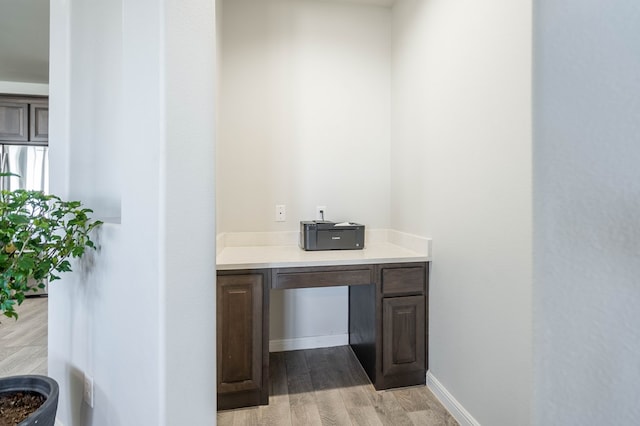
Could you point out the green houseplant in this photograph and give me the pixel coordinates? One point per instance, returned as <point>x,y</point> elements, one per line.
<point>39,233</point>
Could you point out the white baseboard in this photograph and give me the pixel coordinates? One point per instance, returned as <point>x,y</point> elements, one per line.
<point>308,342</point>
<point>450,403</point>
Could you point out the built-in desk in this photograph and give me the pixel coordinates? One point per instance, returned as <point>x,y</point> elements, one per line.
<point>388,311</point>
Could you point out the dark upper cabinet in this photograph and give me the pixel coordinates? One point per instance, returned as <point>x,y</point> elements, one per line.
<point>14,121</point>
<point>24,120</point>
<point>39,122</point>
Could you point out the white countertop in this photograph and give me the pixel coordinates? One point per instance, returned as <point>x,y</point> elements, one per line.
<point>287,256</point>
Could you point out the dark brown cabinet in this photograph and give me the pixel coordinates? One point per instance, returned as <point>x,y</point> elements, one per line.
<point>24,120</point>
<point>14,121</point>
<point>388,313</point>
<point>402,295</point>
<point>403,337</point>
<point>242,342</point>
<point>39,122</point>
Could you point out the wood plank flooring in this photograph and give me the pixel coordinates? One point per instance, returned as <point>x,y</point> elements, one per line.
<point>23,343</point>
<point>311,387</point>
<point>329,387</point>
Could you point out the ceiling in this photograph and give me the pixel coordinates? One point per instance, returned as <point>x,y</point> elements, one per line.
<point>24,40</point>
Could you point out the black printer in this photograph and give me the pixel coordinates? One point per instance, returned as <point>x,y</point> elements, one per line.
<point>327,235</point>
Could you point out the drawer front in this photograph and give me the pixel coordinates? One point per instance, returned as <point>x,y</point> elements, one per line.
<point>403,280</point>
<point>321,277</point>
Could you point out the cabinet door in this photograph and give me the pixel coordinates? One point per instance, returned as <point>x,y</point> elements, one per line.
<point>39,128</point>
<point>403,335</point>
<point>14,121</point>
<point>239,327</point>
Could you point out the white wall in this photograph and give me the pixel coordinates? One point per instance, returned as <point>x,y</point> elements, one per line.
<point>140,315</point>
<point>96,139</point>
<point>304,113</point>
<point>304,121</point>
<point>461,174</point>
<point>586,209</point>
<point>187,211</point>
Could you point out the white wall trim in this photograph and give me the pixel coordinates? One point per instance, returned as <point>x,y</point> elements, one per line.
<point>410,241</point>
<point>220,243</point>
<point>290,238</point>
<point>21,88</point>
<point>308,342</point>
<point>450,403</point>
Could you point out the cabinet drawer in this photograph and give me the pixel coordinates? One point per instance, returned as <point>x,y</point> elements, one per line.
<point>402,281</point>
<point>322,277</point>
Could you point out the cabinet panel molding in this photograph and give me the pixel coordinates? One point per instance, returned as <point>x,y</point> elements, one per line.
<point>237,336</point>
<point>39,122</point>
<point>242,339</point>
<point>24,119</point>
<point>403,335</point>
<point>14,118</point>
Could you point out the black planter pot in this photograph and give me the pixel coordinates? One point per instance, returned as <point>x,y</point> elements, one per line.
<point>46,414</point>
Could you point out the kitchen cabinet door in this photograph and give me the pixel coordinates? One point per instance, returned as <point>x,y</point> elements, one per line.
<point>242,355</point>
<point>403,335</point>
<point>14,119</point>
<point>39,126</point>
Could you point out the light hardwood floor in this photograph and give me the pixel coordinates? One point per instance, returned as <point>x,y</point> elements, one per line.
<point>311,387</point>
<point>329,387</point>
<point>23,343</point>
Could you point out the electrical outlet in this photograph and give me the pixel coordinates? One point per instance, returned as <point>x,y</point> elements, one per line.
<point>88,390</point>
<point>281,213</point>
<point>321,212</point>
